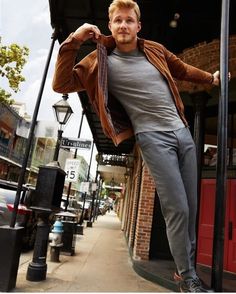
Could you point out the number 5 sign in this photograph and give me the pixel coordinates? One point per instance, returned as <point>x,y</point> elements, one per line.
<point>72,170</point>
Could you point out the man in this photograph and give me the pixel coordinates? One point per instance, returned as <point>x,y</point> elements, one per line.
<point>130,83</point>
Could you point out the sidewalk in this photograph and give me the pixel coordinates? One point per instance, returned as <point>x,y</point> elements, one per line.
<point>101,264</point>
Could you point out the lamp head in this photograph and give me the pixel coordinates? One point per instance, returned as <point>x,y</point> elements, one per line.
<point>62,110</point>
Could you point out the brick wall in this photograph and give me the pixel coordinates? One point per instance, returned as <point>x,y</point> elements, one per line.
<point>145,215</point>
<point>135,196</point>
<point>132,199</point>
<point>206,56</point>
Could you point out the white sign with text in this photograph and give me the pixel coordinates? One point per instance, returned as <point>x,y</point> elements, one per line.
<point>72,170</point>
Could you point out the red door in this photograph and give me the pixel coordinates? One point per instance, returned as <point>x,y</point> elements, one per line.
<point>231,256</point>
<point>206,223</point>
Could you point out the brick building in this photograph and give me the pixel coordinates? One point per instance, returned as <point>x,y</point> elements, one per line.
<point>195,38</point>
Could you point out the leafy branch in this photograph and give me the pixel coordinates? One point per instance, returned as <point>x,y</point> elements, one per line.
<point>12,61</point>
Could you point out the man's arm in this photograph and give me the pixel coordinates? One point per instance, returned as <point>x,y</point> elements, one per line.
<point>68,78</point>
<point>183,71</point>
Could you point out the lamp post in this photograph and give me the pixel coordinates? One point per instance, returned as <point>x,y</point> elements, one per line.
<point>63,112</point>
<point>49,189</point>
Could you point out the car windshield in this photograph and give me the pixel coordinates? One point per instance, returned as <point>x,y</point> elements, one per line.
<point>7,195</point>
<point>3,202</point>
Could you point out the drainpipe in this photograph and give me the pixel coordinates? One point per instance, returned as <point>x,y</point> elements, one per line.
<point>221,167</point>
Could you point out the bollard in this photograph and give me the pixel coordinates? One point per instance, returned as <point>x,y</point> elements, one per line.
<point>79,229</point>
<point>89,224</point>
<point>69,233</point>
<point>37,269</point>
<point>48,191</point>
<point>10,250</point>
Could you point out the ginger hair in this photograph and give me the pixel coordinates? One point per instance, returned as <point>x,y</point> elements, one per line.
<point>130,4</point>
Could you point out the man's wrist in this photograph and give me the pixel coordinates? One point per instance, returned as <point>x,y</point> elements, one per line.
<point>76,37</point>
<point>212,79</point>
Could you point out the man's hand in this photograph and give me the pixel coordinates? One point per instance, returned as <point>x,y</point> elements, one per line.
<point>87,31</point>
<point>216,78</point>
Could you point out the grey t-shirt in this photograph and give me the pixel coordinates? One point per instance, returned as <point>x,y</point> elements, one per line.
<point>143,92</point>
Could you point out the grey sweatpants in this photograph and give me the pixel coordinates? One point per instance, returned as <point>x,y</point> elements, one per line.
<point>171,159</point>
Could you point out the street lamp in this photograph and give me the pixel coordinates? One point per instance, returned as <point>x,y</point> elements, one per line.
<point>63,112</point>
<point>49,189</point>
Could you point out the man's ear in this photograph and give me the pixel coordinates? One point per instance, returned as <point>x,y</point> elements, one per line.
<point>109,25</point>
<point>139,26</point>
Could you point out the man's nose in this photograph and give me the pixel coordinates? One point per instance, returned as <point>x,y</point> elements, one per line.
<point>123,24</point>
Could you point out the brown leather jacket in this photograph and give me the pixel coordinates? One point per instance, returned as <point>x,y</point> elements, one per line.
<point>90,74</point>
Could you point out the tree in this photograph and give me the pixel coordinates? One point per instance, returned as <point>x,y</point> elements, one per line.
<point>12,61</point>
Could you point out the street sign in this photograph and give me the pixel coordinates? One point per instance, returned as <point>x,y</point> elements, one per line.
<point>84,187</point>
<point>76,143</point>
<point>72,169</point>
<point>94,186</point>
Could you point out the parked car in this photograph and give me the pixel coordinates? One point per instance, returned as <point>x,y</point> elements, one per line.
<point>25,216</point>
<point>102,207</point>
<point>87,208</point>
<point>73,206</point>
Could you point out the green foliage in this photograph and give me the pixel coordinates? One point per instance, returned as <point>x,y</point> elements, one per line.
<point>12,61</point>
<point>104,192</point>
<point>5,97</point>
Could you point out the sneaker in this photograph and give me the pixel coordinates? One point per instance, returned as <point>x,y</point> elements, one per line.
<point>177,277</point>
<point>192,285</point>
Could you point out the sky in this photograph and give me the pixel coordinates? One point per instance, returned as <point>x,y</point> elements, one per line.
<point>27,23</point>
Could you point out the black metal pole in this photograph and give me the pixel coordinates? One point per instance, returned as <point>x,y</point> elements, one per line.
<point>57,149</point>
<point>221,167</point>
<point>98,197</point>
<point>85,194</point>
<point>93,197</point>
<point>96,201</point>
<point>90,162</point>
<point>75,155</point>
<point>200,101</point>
<point>31,133</point>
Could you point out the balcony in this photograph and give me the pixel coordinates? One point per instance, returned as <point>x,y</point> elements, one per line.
<point>12,155</point>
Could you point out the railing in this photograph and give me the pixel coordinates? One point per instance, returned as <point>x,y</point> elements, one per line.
<point>106,159</point>
<point>4,141</point>
<point>10,154</point>
<point>116,160</point>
